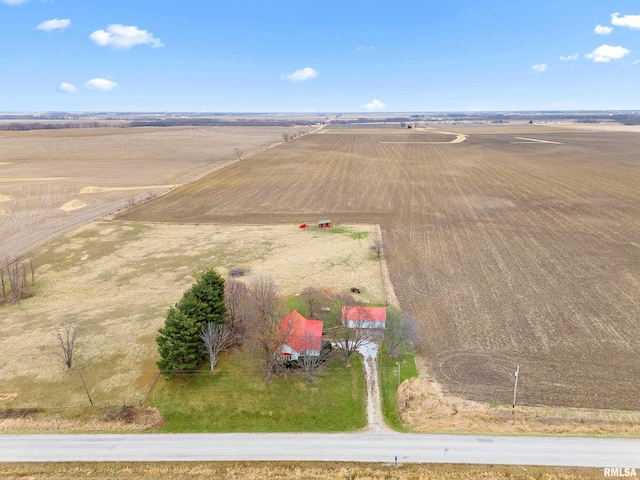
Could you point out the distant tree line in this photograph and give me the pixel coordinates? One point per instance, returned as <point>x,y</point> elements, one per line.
<point>26,126</point>
<point>167,122</point>
<point>208,122</point>
<point>288,136</point>
<point>625,119</point>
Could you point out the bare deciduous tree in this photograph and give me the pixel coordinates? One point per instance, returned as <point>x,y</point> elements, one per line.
<point>377,247</point>
<point>235,299</point>
<point>265,323</point>
<point>67,335</point>
<point>216,338</point>
<point>32,266</point>
<point>238,152</point>
<point>311,363</point>
<point>314,299</point>
<point>351,335</point>
<point>264,297</point>
<point>13,274</point>
<point>286,136</point>
<point>401,332</point>
<point>3,283</point>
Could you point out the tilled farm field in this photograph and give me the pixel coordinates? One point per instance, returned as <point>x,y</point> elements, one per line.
<point>54,180</point>
<point>517,245</point>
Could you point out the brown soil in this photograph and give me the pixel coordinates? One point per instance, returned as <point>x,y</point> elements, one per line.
<point>45,174</point>
<point>424,407</point>
<point>508,254</point>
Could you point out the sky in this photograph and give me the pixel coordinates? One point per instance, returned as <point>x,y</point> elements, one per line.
<point>319,56</point>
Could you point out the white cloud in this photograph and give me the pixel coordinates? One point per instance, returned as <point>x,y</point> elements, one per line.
<point>605,53</point>
<point>364,48</point>
<point>570,58</point>
<point>67,87</point>
<point>539,68</point>
<point>100,84</point>
<point>602,30</point>
<point>630,21</point>
<point>306,73</point>
<point>124,37</point>
<point>13,2</point>
<point>54,24</point>
<point>374,104</point>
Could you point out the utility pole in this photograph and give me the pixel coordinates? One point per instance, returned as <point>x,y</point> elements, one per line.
<point>85,388</point>
<point>515,387</point>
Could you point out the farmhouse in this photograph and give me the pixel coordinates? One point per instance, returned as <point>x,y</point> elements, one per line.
<point>364,317</point>
<point>300,336</point>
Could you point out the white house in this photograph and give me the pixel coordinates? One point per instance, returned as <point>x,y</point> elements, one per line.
<point>300,336</point>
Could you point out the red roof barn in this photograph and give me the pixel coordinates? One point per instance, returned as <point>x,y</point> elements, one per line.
<point>300,336</point>
<point>364,317</point>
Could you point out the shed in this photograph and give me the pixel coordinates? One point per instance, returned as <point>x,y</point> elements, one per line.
<point>324,223</point>
<point>365,317</point>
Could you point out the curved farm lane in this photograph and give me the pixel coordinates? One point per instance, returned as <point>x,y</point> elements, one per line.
<point>368,447</point>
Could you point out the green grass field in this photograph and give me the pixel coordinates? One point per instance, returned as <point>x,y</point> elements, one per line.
<point>238,399</point>
<point>389,383</point>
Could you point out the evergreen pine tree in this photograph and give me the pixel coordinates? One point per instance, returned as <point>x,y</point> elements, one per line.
<point>179,342</point>
<point>204,301</point>
<point>178,352</point>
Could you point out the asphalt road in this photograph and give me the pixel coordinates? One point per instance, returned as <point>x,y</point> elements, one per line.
<point>365,447</point>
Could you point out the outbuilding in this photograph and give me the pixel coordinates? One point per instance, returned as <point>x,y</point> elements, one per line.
<point>374,318</point>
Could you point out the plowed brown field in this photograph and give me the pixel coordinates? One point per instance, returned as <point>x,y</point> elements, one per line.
<point>508,250</point>
<point>54,180</point>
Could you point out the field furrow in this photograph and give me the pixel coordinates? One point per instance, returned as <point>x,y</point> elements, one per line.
<point>508,253</point>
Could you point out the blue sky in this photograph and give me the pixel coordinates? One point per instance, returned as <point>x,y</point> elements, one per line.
<point>320,56</point>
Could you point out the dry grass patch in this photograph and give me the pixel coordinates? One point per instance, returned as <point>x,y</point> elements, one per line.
<point>424,407</point>
<point>106,419</point>
<point>116,281</point>
<point>73,205</point>
<point>287,471</point>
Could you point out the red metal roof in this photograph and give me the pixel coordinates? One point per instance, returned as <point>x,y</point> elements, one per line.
<point>301,333</point>
<point>367,314</point>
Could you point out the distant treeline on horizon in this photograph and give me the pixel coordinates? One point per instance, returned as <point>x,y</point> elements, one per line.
<point>63,120</point>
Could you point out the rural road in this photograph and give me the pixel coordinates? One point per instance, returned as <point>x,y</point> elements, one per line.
<point>361,447</point>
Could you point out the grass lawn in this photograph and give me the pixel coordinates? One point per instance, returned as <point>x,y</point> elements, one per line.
<point>389,383</point>
<point>238,399</point>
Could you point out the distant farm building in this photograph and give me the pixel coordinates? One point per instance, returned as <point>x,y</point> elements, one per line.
<point>365,317</point>
<point>300,336</point>
<point>324,223</point>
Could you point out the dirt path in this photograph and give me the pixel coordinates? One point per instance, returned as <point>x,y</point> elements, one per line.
<point>375,420</point>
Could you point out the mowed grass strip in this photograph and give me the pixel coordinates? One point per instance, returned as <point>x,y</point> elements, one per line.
<point>238,399</point>
<point>388,368</point>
